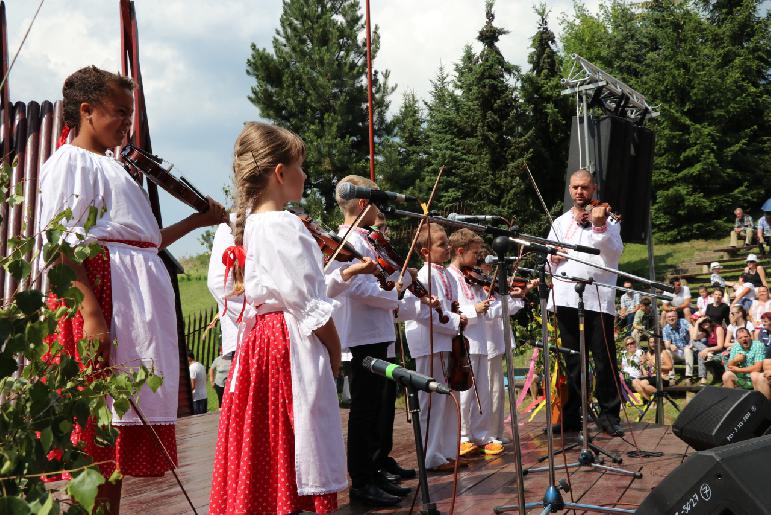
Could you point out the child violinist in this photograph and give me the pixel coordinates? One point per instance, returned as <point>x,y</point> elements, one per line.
<point>280,443</point>
<point>140,316</point>
<point>442,449</point>
<point>477,423</point>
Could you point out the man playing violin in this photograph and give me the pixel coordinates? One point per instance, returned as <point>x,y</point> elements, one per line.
<point>588,225</point>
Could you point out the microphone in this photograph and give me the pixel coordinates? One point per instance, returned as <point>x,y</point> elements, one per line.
<point>404,376</point>
<point>562,350</point>
<point>492,259</point>
<point>476,219</point>
<point>348,191</point>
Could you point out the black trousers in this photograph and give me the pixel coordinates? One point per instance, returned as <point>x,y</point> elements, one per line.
<point>200,407</point>
<point>220,392</point>
<point>598,329</point>
<point>366,398</point>
<point>384,428</point>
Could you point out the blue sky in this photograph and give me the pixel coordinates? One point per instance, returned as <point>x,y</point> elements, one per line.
<point>193,56</point>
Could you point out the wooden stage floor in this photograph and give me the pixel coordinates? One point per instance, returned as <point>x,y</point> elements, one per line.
<point>486,483</point>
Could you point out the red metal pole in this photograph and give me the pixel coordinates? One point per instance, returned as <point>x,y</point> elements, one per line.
<point>369,95</point>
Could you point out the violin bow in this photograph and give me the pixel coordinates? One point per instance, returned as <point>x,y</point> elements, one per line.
<point>345,236</point>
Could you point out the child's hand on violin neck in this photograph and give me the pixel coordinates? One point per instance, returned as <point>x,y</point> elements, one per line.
<point>483,306</point>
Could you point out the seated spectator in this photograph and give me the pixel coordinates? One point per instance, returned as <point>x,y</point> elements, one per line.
<point>715,279</point>
<point>761,380</point>
<point>641,325</point>
<point>738,318</point>
<point>645,385</point>
<point>628,303</point>
<point>702,302</point>
<point>761,304</point>
<point>746,357</point>
<point>681,302</point>
<point>631,359</point>
<point>718,310</point>
<point>743,228</point>
<point>706,339</point>
<point>676,336</point>
<point>764,232</point>
<point>753,272</point>
<point>763,332</point>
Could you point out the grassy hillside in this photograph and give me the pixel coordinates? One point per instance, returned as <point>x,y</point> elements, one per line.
<point>667,256</point>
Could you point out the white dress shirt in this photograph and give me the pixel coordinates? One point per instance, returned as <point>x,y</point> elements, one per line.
<point>418,315</point>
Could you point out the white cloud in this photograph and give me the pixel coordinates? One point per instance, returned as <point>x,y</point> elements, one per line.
<point>193,57</point>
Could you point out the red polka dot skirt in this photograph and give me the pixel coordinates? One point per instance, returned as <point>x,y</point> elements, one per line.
<point>136,451</point>
<point>254,464</point>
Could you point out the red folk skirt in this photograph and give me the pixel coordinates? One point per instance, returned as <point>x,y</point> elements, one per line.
<point>136,451</point>
<point>254,464</point>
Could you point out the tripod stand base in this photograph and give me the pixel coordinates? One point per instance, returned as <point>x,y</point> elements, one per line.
<point>553,502</point>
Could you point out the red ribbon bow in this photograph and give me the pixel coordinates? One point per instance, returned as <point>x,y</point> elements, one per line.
<point>232,255</point>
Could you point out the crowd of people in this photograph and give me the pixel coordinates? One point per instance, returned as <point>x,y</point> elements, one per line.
<point>730,336</point>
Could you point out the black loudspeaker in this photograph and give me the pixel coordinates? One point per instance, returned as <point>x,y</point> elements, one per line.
<point>727,480</point>
<point>620,154</point>
<point>720,416</point>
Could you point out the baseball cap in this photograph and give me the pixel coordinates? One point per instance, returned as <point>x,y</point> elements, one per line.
<point>752,257</point>
<point>715,265</point>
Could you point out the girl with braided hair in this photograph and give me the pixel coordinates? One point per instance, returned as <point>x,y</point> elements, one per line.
<point>280,443</point>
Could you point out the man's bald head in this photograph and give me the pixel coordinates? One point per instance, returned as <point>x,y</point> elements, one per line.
<point>581,187</point>
<point>582,173</point>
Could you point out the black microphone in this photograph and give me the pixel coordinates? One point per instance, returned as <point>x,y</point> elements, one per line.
<point>404,376</point>
<point>348,191</point>
<point>476,219</point>
<point>562,350</point>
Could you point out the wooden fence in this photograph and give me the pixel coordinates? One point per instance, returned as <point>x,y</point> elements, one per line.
<point>204,343</point>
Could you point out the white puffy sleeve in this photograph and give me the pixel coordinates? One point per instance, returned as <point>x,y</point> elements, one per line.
<point>67,182</point>
<point>283,257</point>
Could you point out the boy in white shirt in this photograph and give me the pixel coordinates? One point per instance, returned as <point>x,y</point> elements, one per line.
<point>442,449</point>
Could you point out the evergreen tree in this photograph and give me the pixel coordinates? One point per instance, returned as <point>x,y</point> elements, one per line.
<point>314,83</point>
<point>548,113</point>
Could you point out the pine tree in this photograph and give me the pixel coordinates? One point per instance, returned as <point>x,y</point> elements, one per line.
<point>548,112</point>
<point>314,83</point>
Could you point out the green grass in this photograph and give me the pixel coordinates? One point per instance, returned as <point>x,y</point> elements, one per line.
<point>194,294</point>
<point>666,256</point>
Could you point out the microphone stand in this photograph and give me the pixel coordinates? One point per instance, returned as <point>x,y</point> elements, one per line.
<point>428,507</point>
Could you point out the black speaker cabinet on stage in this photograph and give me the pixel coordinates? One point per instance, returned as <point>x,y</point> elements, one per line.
<point>728,480</point>
<point>720,416</point>
<point>620,154</point>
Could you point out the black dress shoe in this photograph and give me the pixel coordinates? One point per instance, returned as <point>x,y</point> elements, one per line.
<point>611,427</point>
<point>374,496</point>
<point>393,468</point>
<point>391,488</point>
<point>393,478</point>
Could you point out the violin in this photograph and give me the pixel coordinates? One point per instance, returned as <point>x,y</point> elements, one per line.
<point>460,374</point>
<point>389,261</point>
<point>476,276</point>
<point>329,243</point>
<point>584,219</point>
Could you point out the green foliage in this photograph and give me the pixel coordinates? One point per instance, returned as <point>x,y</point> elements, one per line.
<point>706,66</point>
<point>314,82</point>
<point>43,401</point>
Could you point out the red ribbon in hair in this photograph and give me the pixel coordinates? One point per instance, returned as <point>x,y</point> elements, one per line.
<point>63,136</point>
<point>232,255</point>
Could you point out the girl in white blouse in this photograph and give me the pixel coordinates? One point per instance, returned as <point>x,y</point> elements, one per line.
<point>280,442</point>
<point>127,292</point>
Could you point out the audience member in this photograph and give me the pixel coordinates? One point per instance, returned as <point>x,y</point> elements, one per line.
<point>715,279</point>
<point>218,373</point>
<point>641,324</point>
<point>681,302</point>
<point>628,304</point>
<point>746,357</point>
<point>702,302</point>
<point>631,360</point>
<point>676,336</point>
<point>198,384</point>
<point>645,385</point>
<point>753,272</point>
<point>718,310</point>
<point>761,380</point>
<point>764,232</point>
<point>738,318</point>
<point>706,339</point>
<point>763,332</point>
<point>742,228</point>
<point>761,304</point>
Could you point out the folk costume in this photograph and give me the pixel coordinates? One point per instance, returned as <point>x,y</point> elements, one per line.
<point>134,291</point>
<point>280,443</point>
<point>600,309</point>
<point>442,437</point>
